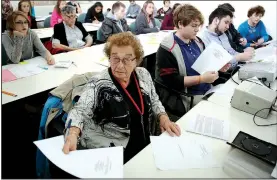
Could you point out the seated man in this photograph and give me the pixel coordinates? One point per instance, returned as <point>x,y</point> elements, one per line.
<point>236,40</point>
<point>133,10</point>
<point>254,29</point>
<point>114,22</point>
<point>219,22</point>
<point>70,34</point>
<point>175,56</point>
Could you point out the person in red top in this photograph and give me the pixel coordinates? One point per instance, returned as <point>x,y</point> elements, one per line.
<point>164,10</point>
<point>168,19</point>
<point>25,7</point>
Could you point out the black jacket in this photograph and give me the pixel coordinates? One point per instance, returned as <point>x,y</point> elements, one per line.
<point>234,37</point>
<point>33,23</point>
<point>91,14</point>
<point>110,27</point>
<point>59,32</point>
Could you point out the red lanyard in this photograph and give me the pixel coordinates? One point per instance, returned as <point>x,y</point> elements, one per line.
<point>140,97</point>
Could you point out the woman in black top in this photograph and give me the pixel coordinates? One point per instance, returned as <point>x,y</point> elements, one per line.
<point>95,13</point>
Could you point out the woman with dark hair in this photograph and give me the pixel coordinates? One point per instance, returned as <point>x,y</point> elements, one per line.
<point>254,29</point>
<point>145,22</point>
<point>168,19</point>
<point>25,7</point>
<point>57,15</point>
<point>95,13</point>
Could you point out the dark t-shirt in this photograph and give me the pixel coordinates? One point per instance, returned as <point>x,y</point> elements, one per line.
<point>139,135</point>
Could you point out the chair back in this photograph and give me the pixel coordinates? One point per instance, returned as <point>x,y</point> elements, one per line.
<point>47,22</point>
<point>81,17</point>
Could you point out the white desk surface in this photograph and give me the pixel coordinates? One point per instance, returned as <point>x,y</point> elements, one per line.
<point>48,32</point>
<point>225,99</point>
<point>88,59</point>
<point>143,164</point>
<point>49,79</point>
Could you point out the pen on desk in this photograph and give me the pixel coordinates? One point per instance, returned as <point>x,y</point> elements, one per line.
<point>74,63</point>
<point>67,129</point>
<point>8,93</point>
<point>42,67</point>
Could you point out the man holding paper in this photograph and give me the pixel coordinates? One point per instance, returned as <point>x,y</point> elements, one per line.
<point>219,22</point>
<point>177,53</point>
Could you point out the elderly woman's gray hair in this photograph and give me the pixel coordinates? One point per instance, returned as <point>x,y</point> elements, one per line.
<point>68,9</point>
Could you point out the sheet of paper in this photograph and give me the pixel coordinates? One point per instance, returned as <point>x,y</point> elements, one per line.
<point>213,58</point>
<point>92,163</point>
<point>175,153</point>
<point>270,42</point>
<point>223,89</point>
<point>262,53</point>
<point>21,71</point>
<point>209,126</point>
<point>274,172</point>
<point>63,64</point>
<point>7,76</point>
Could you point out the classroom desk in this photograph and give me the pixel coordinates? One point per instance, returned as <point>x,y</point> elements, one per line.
<point>143,164</point>
<point>52,78</point>
<point>48,32</point>
<point>87,59</point>
<point>224,99</point>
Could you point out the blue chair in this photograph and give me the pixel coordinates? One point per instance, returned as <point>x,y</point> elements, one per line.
<point>158,23</point>
<point>81,17</point>
<point>133,27</point>
<point>47,22</point>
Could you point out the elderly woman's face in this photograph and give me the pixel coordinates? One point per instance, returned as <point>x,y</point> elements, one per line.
<point>123,62</point>
<point>69,18</point>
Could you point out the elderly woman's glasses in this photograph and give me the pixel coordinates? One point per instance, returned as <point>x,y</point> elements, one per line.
<point>125,61</point>
<point>71,16</point>
<point>22,22</point>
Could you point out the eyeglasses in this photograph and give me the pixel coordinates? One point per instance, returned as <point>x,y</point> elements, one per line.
<point>71,16</point>
<point>125,61</point>
<point>21,22</point>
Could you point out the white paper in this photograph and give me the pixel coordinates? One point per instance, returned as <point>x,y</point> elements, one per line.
<point>91,163</point>
<point>262,53</point>
<point>63,64</point>
<point>274,172</point>
<point>21,71</point>
<point>213,58</point>
<point>273,42</point>
<point>223,89</point>
<point>175,153</point>
<point>209,126</point>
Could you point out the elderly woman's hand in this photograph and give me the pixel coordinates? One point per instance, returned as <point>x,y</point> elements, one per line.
<point>170,127</point>
<point>70,143</point>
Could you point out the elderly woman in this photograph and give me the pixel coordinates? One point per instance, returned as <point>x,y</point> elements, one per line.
<point>20,41</point>
<point>145,22</point>
<point>70,34</point>
<point>254,29</point>
<point>119,105</point>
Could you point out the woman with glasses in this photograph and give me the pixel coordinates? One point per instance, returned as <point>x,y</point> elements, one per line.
<point>25,6</point>
<point>70,34</point>
<point>119,106</point>
<point>20,41</point>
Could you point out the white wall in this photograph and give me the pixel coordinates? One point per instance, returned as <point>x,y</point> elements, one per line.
<point>206,7</point>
